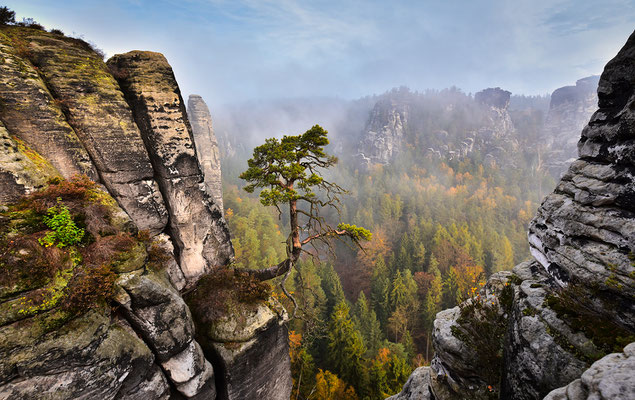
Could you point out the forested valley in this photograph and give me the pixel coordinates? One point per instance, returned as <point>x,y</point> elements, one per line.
<point>442,222</point>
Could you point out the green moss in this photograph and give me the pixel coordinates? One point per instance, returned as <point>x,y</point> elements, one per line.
<point>529,312</point>
<point>515,279</point>
<point>613,282</point>
<point>75,277</point>
<point>41,164</point>
<point>606,335</point>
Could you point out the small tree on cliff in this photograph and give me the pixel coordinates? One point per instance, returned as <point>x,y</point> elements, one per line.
<point>288,171</point>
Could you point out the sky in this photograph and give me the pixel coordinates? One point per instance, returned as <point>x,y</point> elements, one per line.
<point>232,51</point>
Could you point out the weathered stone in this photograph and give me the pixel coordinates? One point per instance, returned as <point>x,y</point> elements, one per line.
<point>541,351</point>
<point>158,313</point>
<point>249,348</point>
<point>570,109</point>
<point>417,387</point>
<point>206,146</point>
<point>154,387</point>
<point>170,265</point>
<point>186,365</point>
<point>257,369</point>
<point>88,357</point>
<point>21,169</point>
<point>610,378</point>
<point>100,117</point>
<point>584,232</point>
<point>197,227</point>
<point>31,114</point>
<point>161,317</point>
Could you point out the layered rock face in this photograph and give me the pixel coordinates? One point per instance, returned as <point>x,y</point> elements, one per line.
<point>570,109</point>
<point>197,227</point>
<point>559,325</point>
<point>78,82</point>
<point>206,146</point>
<point>64,113</point>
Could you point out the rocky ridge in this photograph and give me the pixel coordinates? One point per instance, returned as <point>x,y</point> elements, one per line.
<point>64,112</point>
<point>559,325</point>
<point>402,120</point>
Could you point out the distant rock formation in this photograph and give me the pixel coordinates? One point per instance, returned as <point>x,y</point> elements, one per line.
<point>402,119</point>
<point>569,111</point>
<point>206,146</point>
<point>494,97</point>
<point>385,131</point>
<point>559,325</point>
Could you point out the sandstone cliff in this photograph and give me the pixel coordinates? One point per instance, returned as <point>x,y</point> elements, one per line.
<point>447,125</point>
<point>206,146</point>
<point>152,232</point>
<point>560,323</point>
<point>569,111</point>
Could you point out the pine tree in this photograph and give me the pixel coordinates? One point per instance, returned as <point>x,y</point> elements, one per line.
<point>332,288</point>
<point>451,293</point>
<point>346,348</point>
<point>366,321</point>
<point>380,292</point>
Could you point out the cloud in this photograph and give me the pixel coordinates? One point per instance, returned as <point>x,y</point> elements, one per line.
<point>236,50</point>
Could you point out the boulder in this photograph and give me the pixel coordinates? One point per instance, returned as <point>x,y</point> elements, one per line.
<point>610,378</point>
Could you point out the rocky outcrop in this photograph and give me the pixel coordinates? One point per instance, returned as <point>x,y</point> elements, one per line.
<point>197,227</point>
<point>417,387</point>
<point>206,146</point>
<point>584,232</point>
<point>498,125</point>
<point>610,378</point>
<point>95,109</point>
<point>556,319</point>
<point>404,121</point>
<point>62,112</point>
<point>384,132</point>
<point>245,337</point>
<point>570,109</point>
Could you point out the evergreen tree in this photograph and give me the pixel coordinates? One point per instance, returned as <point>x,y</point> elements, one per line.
<point>332,288</point>
<point>346,348</point>
<point>366,321</point>
<point>380,292</point>
<point>451,293</point>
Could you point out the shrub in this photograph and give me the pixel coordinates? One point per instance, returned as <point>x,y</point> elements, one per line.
<point>7,17</point>
<point>43,239</point>
<point>89,287</point>
<point>31,23</point>
<point>57,32</point>
<point>221,291</point>
<point>65,232</point>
